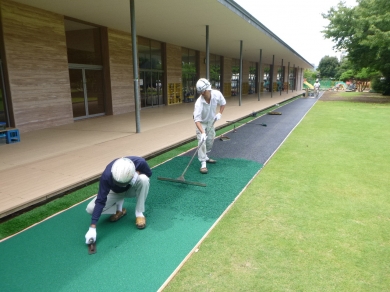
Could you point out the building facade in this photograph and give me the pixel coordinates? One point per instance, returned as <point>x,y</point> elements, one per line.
<point>56,69</point>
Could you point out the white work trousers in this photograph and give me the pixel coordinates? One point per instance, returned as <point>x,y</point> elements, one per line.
<point>208,128</point>
<point>139,190</point>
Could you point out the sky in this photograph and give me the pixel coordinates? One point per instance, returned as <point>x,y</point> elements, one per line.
<point>298,23</point>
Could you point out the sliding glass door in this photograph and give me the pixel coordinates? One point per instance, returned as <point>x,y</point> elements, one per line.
<point>87,93</point>
<point>151,88</point>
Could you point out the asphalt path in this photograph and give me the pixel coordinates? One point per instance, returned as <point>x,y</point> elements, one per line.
<point>255,142</point>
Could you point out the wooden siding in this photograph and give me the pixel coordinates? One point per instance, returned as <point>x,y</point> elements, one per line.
<point>245,71</point>
<point>121,71</point>
<point>173,73</point>
<point>36,59</point>
<point>227,76</point>
<point>227,70</point>
<point>173,54</point>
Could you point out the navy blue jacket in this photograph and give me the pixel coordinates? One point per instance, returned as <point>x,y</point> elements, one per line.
<point>106,184</point>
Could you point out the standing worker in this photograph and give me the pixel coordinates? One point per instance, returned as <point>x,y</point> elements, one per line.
<point>125,177</point>
<point>317,86</point>
<point>204,116</point>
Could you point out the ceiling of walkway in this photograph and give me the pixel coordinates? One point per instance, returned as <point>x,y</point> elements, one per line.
<point>183,23</point>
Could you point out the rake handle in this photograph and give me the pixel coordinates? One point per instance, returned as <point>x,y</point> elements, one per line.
<point>196,151</point>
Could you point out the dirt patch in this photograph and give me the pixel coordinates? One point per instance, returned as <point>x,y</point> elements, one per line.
<point>355,97</point>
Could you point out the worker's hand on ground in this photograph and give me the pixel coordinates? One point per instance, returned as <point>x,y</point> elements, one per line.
<point>218,116</point>
<point>203,137</point>
<point>91,234</point>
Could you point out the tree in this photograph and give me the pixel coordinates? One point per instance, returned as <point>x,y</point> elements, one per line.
<point>344,66</point>
<point>347,75</point>
<point>310,74</point>
<point>328,67</point>
<point>361,77</point>
<point>364,31</point>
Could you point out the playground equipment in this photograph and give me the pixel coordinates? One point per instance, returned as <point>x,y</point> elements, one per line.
<point>340,86</point>
<point>308,85</point>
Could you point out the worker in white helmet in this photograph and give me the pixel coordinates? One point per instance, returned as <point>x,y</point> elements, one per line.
<point>205,113</point>
<point>125,177</point>
<point>317,86</point>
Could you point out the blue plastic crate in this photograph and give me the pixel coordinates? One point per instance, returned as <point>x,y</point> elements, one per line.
<point>12,136</point>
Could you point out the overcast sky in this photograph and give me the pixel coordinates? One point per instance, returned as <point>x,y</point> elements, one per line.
<point>298,23</point>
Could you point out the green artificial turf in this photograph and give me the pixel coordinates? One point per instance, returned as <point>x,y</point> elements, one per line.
<point>315,219</point>
<point>53,256</point>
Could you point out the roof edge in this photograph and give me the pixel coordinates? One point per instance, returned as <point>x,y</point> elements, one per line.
<point>236,8</point>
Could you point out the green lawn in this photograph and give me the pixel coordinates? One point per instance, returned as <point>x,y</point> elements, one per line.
<point>316,218</point>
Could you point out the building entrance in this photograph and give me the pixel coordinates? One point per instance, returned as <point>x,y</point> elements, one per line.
<point>151,88</point>
<point>86,85</point>
<point>85,55</point>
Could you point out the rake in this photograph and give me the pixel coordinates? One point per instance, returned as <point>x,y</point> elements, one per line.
<point>181,178</point>
<point>248,123</point>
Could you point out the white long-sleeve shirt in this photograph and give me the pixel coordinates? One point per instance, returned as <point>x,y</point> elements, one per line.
<point>205,112</point>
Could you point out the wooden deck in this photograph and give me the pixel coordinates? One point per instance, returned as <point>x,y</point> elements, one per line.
<point>51,161</point>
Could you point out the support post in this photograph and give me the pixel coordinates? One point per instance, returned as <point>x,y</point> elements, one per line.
<point>288,76</point>
<point>135,68</point>
<point>207,54</point>
<point>299,78</point>
<point>260,77</point>
<point>239,103</point>
<point>281,77</point>
<point>294,78</point>
<point>272,74</point>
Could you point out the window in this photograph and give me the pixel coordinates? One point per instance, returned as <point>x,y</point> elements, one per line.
<point>188,61</point>
<point>215,71</point>
<point>235,76</point>
<point>149,54</point>
<point>83,43</point>
<point>151,71</point>
<point>252,77</point>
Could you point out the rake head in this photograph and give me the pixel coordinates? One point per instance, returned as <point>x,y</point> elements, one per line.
<point>181,180</point>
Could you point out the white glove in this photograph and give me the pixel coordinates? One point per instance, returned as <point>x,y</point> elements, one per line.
<point>203,137</point>
<point>134,179</point>
<point>218,116</point>
<point>91,234</point>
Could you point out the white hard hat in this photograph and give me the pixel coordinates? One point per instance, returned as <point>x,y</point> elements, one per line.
<point>202,85</point>
<point>316,80</point>
<point>123,170</point>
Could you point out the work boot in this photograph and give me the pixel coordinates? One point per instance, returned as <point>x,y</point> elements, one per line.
<point>118,215</point>
<point>140,222</point>
<point>212,161</point>
<point>203,170</point>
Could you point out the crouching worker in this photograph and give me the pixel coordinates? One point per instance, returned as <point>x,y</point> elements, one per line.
<point>126,177</point>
